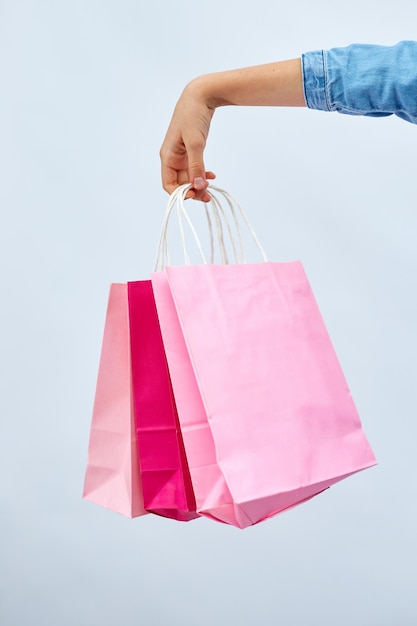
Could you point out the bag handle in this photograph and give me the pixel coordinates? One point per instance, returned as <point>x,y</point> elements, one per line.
<point>215,212</point>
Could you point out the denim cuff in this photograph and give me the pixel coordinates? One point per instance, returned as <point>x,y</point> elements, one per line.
<point>363,79</point>
<point>314,80</point>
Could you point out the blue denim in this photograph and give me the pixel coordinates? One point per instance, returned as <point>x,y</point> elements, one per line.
<point>363,79</point>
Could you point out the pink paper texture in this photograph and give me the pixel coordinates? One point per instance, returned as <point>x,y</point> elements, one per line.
<point>166,481</point>
<point>267,417</point>
<point>112,477</point>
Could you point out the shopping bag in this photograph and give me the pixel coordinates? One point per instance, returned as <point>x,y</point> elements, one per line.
<point>165,476</point>
<point>266,414</point>
<point>112,477</point>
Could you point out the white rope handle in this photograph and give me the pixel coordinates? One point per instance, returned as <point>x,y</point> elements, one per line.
<point>215,212</point>
<point>163,257</point>
<point>231,202</point>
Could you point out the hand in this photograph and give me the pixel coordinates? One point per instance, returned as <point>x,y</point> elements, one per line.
<point>183,147</point>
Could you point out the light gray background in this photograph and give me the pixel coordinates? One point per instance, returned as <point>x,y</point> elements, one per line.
<point>87,89</point>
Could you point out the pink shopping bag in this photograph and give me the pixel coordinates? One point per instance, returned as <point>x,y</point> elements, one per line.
<point>166,481</point>
<point>266,414</point>
<point>112,477</point>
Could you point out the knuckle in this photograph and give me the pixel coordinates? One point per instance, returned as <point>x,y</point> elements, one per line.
<point>195,165</point>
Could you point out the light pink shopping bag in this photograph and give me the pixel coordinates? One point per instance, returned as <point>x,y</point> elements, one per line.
<point>112,477</point>
<point>165,477</point>
<point>266,414</point>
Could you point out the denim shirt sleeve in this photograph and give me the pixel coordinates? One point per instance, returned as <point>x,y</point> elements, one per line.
<point>363,79</point>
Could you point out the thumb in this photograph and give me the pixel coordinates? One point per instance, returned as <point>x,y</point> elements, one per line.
<point>199,184</point>
<point>196,169</point>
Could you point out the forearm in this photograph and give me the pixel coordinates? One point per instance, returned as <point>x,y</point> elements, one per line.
<point>272,84</point>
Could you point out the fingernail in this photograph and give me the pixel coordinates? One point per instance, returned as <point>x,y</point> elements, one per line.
<point>199,183</point>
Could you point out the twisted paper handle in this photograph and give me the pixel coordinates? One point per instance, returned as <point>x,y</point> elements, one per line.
<point>215,212</point>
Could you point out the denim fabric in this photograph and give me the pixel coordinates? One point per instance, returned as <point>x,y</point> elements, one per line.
<point>363,79</point>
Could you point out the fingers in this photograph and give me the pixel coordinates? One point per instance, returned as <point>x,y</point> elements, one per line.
<point>181,163</point>
<point>173,178</point>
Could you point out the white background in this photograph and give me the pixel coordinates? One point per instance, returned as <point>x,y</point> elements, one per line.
<point>87,89</point>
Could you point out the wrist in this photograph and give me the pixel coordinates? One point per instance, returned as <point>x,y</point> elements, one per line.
<point>208,89</point>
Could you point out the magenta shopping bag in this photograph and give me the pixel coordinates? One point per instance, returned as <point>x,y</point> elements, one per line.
<point>112,477</point>
<point>266,414</point>
<point>165,476</point>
